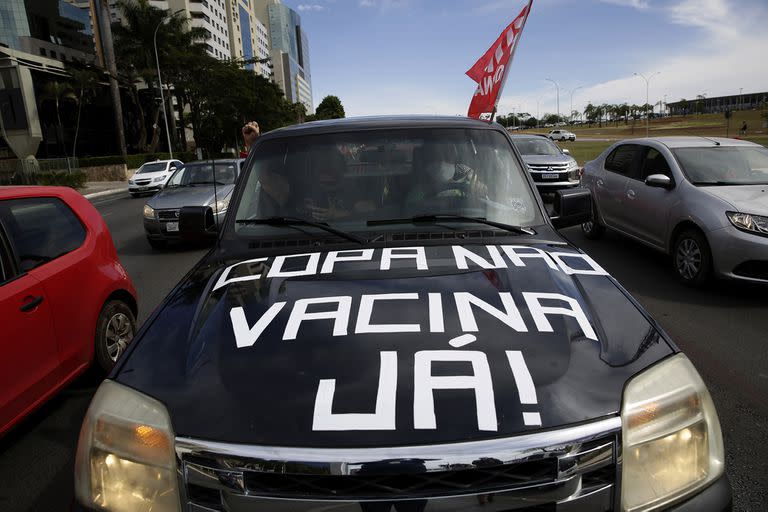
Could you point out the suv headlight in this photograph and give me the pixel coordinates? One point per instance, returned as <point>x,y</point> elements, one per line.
<point>149,212</point>
<point>130,181</point>
<point>672,443</point>
<point>159,179</point>
<point>747,222</point>
<point>125,460</point>
<point>221,205</point>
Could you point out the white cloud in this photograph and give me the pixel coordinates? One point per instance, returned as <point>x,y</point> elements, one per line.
<point>367,3</point>
<point>384,4</point>
<point>637,4</point>
<point>311,7</point>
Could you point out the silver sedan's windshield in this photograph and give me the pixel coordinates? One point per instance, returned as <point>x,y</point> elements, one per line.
<point>724,165</point>
<point>349,180</point>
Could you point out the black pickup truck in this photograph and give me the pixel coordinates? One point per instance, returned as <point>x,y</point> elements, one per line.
<point>389,321</point>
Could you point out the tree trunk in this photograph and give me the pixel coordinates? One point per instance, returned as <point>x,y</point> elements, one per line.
<point>77,125</point>
<point>105,29</point>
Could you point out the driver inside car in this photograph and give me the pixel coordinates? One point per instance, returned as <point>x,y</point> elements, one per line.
<point>441,176</point>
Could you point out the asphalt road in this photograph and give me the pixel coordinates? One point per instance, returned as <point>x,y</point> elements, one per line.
<point>723,329</point>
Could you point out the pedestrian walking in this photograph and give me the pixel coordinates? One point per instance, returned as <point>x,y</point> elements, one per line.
<point>743,131</point>
<point>251,132</point>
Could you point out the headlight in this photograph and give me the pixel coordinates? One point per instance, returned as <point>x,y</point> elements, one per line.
<point>221,205</point>
<point>149,212</point>
<point>159,178</point>
<point>672,444</point>
<point>746,222</point>
<point>130,181</point>
<point>125,460</point>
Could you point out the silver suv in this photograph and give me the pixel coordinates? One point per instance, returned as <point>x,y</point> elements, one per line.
<point>552,168</point>
<point>701,200</point>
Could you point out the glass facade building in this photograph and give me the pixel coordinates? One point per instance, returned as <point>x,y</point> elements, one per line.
<point>290,54</point>
<point>13,23</point>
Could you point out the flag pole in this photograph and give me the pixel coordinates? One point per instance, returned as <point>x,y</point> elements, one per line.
<point>511,58</point>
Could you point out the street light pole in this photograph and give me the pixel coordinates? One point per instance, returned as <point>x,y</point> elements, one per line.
<point>160,81</point>
<point>570,112</point>
<point>647,87</point>
<point>557,87</point>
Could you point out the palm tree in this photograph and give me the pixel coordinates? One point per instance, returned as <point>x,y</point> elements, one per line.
<point>58,92</point>
<point>134,46</point>
<point>86,82</point>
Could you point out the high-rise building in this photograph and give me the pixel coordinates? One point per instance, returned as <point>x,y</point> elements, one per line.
<point>212,16</point>
<point>248,37</point>
<point>289,50</point>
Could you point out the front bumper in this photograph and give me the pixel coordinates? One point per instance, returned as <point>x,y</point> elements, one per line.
<point>162,229</point>
<point>739,255</point>
<point>145,189</point>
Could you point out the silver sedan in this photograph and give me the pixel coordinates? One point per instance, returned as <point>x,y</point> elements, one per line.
<point>702,200</point>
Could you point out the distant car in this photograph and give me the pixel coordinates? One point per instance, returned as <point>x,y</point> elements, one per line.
<point>701,200</point>
<point>552,168</point>
<point>191,185</point>
<point>65,300</point>
<point>152,176</point>
<point>561,135</point>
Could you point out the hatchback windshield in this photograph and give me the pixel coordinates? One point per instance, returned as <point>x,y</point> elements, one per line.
<point>203,174</point>
<point>146,168</point>
<point>349,179</point>
<point>724,165</point>
<point>536,146</point>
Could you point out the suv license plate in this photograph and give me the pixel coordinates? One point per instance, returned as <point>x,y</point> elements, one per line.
<point>172,226</point>
<point>550,176</point>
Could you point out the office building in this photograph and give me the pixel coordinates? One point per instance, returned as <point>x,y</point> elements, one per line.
<point>248,37</point>
<point>289,50</point>
<point>210,15</point>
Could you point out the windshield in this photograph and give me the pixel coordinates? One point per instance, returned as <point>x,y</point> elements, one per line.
<point>536,146</point>
<point>349,179</point>
<point>151,168</point>
<point>202,174</point>
<point>724,165</point>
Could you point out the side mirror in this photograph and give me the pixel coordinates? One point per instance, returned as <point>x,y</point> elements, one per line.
<point>196,223</point>
<point>173,168</point>
<point>566,151</point>
<point>659,180</point>
<point>572,207</point>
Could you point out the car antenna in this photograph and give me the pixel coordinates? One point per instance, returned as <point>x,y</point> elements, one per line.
<point>713,141</point>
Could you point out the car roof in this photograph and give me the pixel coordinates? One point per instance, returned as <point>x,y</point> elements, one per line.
<point>693,142</point>
<point>381,122</point>
<point>18,192</point>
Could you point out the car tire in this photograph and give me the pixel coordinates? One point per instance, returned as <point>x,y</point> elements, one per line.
<point>692,258</point>
<point>157,244</point>
<point>592,229</point>
<point>114,332</point>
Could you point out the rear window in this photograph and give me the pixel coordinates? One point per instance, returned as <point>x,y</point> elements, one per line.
<point>41,229</point>
<point>622,159</point>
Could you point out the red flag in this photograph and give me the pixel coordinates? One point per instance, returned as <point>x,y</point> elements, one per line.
<point>490,71</point>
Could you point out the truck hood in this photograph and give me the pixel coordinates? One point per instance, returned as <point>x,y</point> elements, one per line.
<point>289,351</point>
<point>547,159</point>
<point>198,195</point>
<point>744,198</point>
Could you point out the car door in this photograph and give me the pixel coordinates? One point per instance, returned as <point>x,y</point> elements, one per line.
<point>28,353</point>
<point>647,208</point>
<point>48,238</point>
<point>610,186</point>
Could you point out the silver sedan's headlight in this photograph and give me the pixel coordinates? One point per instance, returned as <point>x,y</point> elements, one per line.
<point>747,222</point>
<point>221,205</point>
<point>149,212</point>
<point>159,179</point>
<point>672,443</point>
<point>125,460</point>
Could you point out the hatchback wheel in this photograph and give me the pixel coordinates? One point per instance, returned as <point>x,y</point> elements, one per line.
<point>692,258</point>
<point>114,332</point>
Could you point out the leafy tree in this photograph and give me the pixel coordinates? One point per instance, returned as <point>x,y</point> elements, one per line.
<point>330,108</point>
<point>85,83</point>
<point>531,122</point>
<point>58,92</point>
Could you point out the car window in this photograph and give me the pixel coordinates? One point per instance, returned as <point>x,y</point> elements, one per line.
<point>348,179</point>
<point>5,259</point>
<point>202,173</point>
<point>41,229</point>
<point>653,163</point>
<point>177,178</point>
<point>153,167</point>
<point>622,160</point>
<point>536,146</point>
<point>724,165</point>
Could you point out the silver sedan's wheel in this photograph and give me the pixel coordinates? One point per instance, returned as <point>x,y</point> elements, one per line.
<point>692,258</point>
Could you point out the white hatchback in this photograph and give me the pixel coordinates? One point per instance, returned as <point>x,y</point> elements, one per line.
<point>561,135</point>
<point>152,176</point>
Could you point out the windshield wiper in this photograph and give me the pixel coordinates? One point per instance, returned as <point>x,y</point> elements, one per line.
<point>419,219</point>
<point>296,221</point>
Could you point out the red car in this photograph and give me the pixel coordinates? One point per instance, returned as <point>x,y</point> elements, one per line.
<point>65,299</point>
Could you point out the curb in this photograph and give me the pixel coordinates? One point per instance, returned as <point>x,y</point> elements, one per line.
<point>103,193</point>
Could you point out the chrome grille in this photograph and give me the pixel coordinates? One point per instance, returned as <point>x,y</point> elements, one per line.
<point>560,167</point>
<point>168,214</point>
<point>534,470</point>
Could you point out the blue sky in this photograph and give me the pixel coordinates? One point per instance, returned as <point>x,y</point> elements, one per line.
<point>410,56</point>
